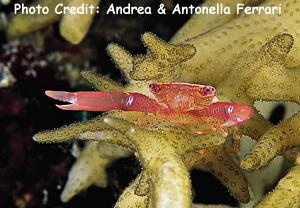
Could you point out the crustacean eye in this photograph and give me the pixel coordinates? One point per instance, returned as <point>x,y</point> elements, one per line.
<point>154,87</point>
<point>207,90</point>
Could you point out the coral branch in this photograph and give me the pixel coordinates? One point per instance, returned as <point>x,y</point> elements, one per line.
<point>161,60</point>
<point>186,141</point>
<point>70,132</point>
<point>163,51</point>
<point>143,188</point>
<point>242,60</point>
<point>170,182</point>
<point>234,38</point>
<point>207,22</point>
<point>287,192</point>
<point>22,24</point>
<point>256,126</point>
<point>263,84</point>
<point>74,27</point>
<point>121,58</point>
<point>275,51</point>
<point>90,168</point>
<point>101,83</point>
<point>293,155</point>
<point>221,165</point>
<point>274,142</point>
<point>130,199</point>
<point>168,175</point>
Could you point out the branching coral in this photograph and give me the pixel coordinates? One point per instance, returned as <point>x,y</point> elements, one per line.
<point>160,153</point>
<point>274,142</point>
<point>173,141</point>
<point>206,23</point>
<point>181,140</point>
<point>235,37</point>
<point>287,192</point>
<point>93,167</point>
<point>247,59</point>
<point>25,23</point>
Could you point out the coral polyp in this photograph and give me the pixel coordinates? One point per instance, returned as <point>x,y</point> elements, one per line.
<point>247,58</point>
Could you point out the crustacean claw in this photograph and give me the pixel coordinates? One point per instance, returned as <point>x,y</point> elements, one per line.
<point>61,96</point>
<point>105,101</point>
<point>89,101</point>
<point>65,97</point>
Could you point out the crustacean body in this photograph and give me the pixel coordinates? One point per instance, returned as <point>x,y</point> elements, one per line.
<point>176,103</point>
<point>174,97</point>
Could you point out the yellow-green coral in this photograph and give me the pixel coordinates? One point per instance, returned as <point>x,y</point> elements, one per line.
<point>249,58</point>
<point>160,153</point>
<point>277,140</point>
<point>162,56</point>
<point>243,34</point>
<point>220,164</point>
<point>287,192</point>
<point>136,200</point>
<point>26,23</point>
<point>73,27</point>
<point>90,168</point>
<point>205,23</point>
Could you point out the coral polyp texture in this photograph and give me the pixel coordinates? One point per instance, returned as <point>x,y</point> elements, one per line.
<point>247,58</point>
